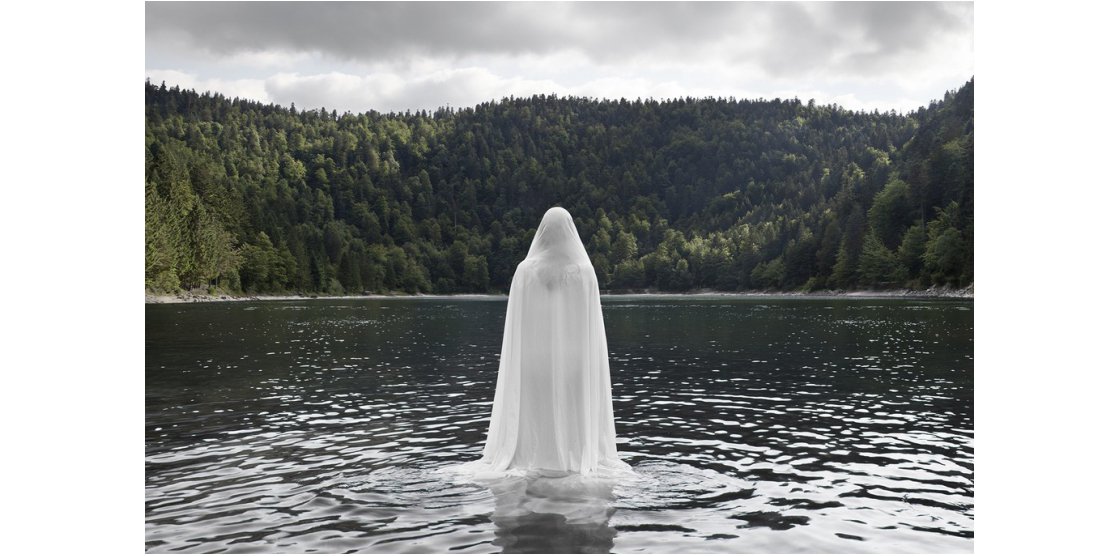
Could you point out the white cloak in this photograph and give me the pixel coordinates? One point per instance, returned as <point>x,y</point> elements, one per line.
<point>552,408</point>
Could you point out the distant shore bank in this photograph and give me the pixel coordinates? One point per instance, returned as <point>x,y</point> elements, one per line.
<point>935,292</point>
<point>198,297</point>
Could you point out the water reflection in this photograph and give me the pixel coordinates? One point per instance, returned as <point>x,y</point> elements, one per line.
<point>552,514</point>
<point>754,426</point>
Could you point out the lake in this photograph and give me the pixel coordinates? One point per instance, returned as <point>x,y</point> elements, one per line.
<point>754,424</point>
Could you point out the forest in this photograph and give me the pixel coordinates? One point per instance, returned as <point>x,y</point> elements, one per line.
<point>687,194</point>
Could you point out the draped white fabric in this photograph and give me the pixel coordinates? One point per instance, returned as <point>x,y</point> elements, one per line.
<point>552,405</point>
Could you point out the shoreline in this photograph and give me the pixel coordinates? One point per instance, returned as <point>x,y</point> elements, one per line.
<point>931,293</point>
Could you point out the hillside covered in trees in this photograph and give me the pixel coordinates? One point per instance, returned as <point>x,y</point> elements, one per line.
<point>674,195</point>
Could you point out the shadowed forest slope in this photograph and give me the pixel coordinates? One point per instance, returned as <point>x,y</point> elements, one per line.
<point>673,195</point>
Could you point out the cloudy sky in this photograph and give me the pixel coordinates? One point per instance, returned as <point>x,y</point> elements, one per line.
<point>393,56</point>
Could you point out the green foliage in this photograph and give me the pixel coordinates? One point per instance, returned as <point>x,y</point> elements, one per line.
<point>843,274</point>
<point>265,268</point>
<point>910,254</point>
<point>878,265</point>
<point>944,257</point>
<point>164,242</point>
<point>628,274</point>
<point>187,244</point>
<point>890,213</point>
<point>674,195</point>
<point>769,274</point>
<point>625,247</point>
<point>945,254</point>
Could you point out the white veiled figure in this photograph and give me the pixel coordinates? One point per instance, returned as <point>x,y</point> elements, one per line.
<point>552,407</point>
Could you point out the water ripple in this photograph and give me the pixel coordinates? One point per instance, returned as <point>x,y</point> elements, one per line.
<point>753,425</point>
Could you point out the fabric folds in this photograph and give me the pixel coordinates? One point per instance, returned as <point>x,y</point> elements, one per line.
<point>552,410</point>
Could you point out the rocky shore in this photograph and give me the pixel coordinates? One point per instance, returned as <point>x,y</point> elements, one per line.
<point>936,292</point>
<point>203,297</point>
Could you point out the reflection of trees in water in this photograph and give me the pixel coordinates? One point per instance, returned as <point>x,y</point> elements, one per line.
<point>553,514</point>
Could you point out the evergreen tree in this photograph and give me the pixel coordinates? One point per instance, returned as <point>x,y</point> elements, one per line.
<point>671,195</point>
<point>878,266</point>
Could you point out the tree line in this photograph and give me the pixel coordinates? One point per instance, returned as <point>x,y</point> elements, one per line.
<point>672,195</point>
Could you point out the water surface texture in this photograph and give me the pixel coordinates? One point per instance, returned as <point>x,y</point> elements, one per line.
<point>753,424</point>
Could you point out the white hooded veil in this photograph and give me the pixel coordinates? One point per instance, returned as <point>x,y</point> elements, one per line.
<point>552,406</point>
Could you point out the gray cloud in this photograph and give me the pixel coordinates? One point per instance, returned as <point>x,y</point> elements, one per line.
<point>374,31</point>
<point>461,87</point>
<point>782,38</point>
<point>861,39</point>
<point>895,31</point>
<point>400,55</point>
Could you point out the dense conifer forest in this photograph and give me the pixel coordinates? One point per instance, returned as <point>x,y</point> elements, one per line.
<point>674,195</point>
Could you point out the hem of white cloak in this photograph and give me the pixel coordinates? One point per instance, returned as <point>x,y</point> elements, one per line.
<point>484,470</point>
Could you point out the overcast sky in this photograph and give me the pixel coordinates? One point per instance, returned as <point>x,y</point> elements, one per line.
<point>393,56</point>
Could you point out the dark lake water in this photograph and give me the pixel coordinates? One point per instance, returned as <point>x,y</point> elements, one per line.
<point>754,425</point>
